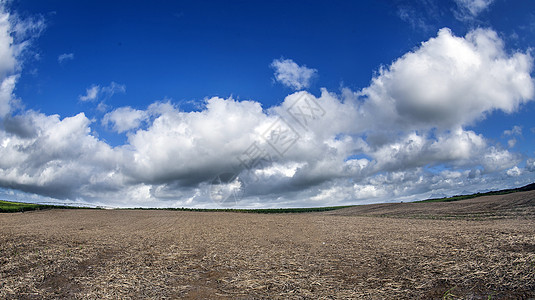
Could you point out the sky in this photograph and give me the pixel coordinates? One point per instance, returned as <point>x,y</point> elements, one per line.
<point>261,104</point>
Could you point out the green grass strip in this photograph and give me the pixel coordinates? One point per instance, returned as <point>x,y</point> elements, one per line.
<point>11,207</point>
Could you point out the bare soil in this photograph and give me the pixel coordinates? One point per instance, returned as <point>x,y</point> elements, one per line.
<point>516,205</point>
<point>470,249</point>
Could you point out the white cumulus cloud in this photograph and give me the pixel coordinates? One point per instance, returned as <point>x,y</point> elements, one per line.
<point>450,81</point>
<point>514,172</point>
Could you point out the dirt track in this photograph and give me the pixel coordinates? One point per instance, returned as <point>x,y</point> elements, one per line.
<point>100,254</point>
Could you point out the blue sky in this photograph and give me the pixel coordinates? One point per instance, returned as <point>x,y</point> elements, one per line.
<point>130,103</point>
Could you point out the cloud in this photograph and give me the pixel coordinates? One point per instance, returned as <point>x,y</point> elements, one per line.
<point>60,158</point>
<point>8,59</point>
<point>449,82</point>
<point>422,15</point>
<point>15,37</point>
<point>25,31</point>
<point>96,92</point>
<point>403,137</point>
<point>514,172</point>
<point>173,160</point>
<point>90,94</point>
<point>112,89</point>
<point>124,119</point>
<point>291,74</point>
<point>200,144</point>
<point>471,8</point>
<point>516,130</point>
<point>57,158</point>
<point>65,57</point>
<point>530,165</point>
<point>459,148</point>
<point>20,126</point>
<point>410,15</point>
<point>6,94</point>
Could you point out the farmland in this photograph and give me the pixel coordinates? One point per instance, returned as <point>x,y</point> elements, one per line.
<point>7,206</point>
<point>477,248</point>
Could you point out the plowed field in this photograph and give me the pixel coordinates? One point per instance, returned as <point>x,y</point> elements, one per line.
<point>469,249</point>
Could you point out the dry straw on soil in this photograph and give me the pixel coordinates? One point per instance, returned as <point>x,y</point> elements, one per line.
<point>471,249</point>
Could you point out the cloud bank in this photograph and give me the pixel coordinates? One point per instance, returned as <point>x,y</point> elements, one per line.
<point>402,137</point>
